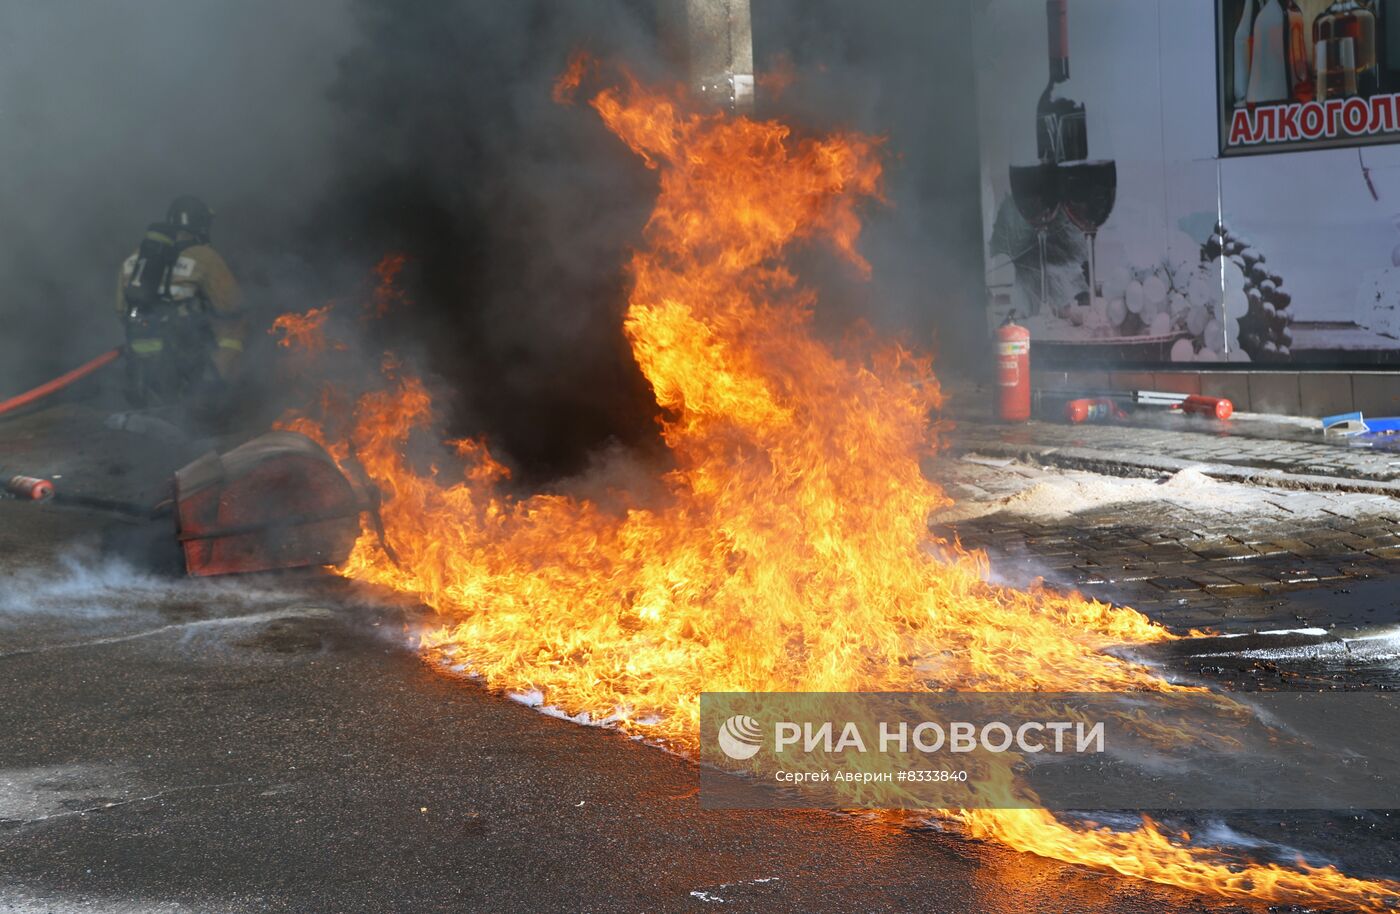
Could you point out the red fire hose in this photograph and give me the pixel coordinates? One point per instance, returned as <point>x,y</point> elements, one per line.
<point>60,382</point>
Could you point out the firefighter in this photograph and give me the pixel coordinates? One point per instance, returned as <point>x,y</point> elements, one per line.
<point>181,308</point>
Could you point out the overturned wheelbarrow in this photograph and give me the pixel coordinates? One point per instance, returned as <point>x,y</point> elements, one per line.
<point>278,501</point>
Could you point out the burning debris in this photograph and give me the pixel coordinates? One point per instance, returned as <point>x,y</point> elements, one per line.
<point>389,294</point>
<point>278,501</point>
<point>789,550</point>
<point>304,332</point>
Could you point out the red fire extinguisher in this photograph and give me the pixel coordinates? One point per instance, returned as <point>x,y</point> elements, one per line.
<point>1092,409</point>
<point>1219,407</point>
<point>1013,372</point>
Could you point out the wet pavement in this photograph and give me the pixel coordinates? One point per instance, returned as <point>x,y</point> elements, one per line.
<point>1312,551</point>
<point>271,743</point>
<point>274,746</point>
<point>1221,573</point>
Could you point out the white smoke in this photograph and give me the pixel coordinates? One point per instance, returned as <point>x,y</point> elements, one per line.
<point>83,584</point>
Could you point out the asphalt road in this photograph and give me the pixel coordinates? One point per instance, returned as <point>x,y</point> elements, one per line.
<point>270,743</point>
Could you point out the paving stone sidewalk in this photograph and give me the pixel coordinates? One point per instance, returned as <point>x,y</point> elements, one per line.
<point>1202,576</point>
<point>1228,557</point>
<point>1246,450</point>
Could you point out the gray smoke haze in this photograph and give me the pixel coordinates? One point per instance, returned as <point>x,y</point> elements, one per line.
<point>901,69</point>
<point>109,110</point>
<point>329,132</point>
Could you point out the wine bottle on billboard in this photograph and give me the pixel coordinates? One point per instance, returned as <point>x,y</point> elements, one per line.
<point>1354,19</point>
<point>1370,26</point>
<point>1268,71</point>
<point>1301,87</point>
<point>1244,47</point>
<point>1061,130</point>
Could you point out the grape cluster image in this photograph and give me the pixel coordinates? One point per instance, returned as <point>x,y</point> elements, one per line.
<point>1264,328</point>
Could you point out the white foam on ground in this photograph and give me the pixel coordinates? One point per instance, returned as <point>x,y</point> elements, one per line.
<point>1278,631</point>
<point>1070,492</point>
<point>712,896</point>
<point>1381,648</point>
<point>531,699</point>
<point>1049,494</point>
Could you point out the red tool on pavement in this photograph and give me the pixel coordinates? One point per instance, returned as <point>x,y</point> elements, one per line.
<point>29,487</point>
<point>1087,405</point>
<point>1219,407</point>
<point>1191,404</point>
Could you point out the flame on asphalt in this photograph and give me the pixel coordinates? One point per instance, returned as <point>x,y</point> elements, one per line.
<point>790,550</point>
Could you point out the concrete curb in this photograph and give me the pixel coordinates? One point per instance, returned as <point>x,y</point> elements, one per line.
<point>1110,463</point>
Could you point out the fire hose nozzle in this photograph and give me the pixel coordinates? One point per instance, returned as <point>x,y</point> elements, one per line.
<point>30,487</point>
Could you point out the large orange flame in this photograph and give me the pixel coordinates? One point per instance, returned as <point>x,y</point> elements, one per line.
<point>789,549</point>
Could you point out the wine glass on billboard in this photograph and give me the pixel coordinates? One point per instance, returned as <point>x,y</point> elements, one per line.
<point>1035,191</point>
<point>1088,190</point>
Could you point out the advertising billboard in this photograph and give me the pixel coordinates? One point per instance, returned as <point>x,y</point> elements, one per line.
<point>1118,155</point>
<point>1299,74</point>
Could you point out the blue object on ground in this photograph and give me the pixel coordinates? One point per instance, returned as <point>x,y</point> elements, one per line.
<point>1357,425</point>
<point>1345,424</point>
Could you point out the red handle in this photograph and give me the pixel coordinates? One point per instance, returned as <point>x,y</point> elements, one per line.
<point>1219,407</point>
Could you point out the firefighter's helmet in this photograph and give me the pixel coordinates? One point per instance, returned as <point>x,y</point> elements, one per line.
<point>191,214</point>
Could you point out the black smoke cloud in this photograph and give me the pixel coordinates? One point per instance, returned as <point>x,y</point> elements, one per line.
<point>330,132</point>
<point>903,70</point>
<point>521,213</point>
<point>516,213</point>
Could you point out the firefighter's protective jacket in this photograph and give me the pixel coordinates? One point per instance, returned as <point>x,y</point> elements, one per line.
<point>200,283</point>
